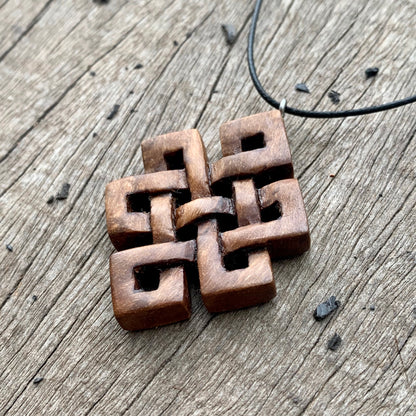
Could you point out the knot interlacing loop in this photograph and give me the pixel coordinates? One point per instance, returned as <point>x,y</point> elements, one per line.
<point>230,218</point>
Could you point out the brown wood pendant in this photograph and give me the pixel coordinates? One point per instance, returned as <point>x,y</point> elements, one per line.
<point>231,218</point>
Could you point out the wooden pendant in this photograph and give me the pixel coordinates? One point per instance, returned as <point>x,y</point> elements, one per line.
<point>230,218</point>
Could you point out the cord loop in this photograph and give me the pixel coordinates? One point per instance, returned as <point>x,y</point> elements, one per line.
<point>282,107</point>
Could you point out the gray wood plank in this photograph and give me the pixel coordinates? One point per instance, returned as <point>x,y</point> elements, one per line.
<point>357,176</point>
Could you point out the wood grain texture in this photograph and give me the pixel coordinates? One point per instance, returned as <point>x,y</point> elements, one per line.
<point>271,359</point>
<point>129,222</point>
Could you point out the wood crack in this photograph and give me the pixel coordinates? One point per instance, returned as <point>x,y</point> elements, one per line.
<point>385,372</point>
<point>166,362</point>
<point>31,25</point>
<point>266,360</point>
<point>65,93</point>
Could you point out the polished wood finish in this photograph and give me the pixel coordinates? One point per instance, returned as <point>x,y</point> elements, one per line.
<point>254,212</point>
<point>185,148</point>
<point>224,290</point>
<point>136,308</point>
<point>129,229</point>
<point>204,207</point>
<point>273,156</point>
<point>246,202</point>
<point>285,236</point>
<point>173,163</point>
<point>254,148</point>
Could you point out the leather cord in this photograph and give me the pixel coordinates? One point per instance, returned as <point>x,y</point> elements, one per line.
<point>305,113</point>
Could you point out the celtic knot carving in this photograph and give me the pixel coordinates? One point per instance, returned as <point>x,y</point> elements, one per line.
<point>229,218</point>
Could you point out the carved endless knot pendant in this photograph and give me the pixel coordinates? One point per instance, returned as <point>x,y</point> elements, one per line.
<point>228,218</point>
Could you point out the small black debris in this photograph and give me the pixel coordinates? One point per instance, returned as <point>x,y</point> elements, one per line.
<point>131,92</point>
<point>9,247</point>
<point>113,112</point>
<point>101,1</point>
<point>50,200</point>
<point>64,192</point>
<point>334,96</point>
<point>380,195</point>
<point>175,43</point>
<point>334,342</point>
<point>93,73</point>
<point>37,380</point>
<point>371,72</point>
<point>372,308</point>
<point>34,298</point>
<point>302,88</point>
<point>230,33</point>
<point>326,308</point>
<point>138,66</point>
<point>94,134</point>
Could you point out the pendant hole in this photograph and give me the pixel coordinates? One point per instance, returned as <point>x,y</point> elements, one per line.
<point>146,278</point>
<point>133,240</point>
<point>174,160</point>
<point>275,174</point>
<point>182,197</point>
<point>253,142</point>
<point>236,260</point>
<point>223,188</point>
<point>226,223</point>
<point>271,213</point>
<point>189,232</point>
<point>138,203</point>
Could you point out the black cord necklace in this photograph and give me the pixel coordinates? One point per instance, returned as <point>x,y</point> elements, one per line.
<point>305,113</point>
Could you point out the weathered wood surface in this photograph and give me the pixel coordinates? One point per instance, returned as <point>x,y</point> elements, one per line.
<point>271,359</point>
